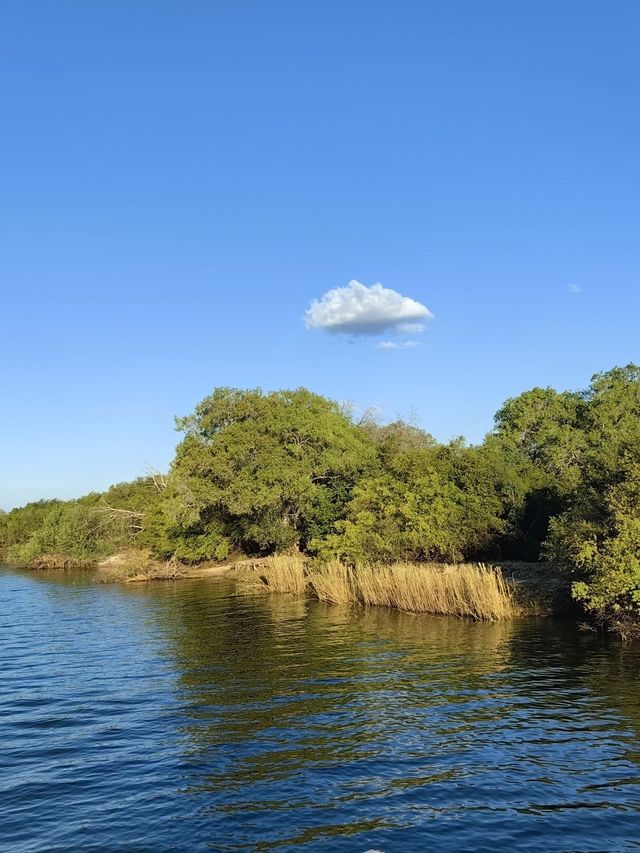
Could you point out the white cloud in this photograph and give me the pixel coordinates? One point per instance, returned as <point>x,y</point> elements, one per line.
<point>397,345</point>
<point>360,310</point>
<point>574,288</point>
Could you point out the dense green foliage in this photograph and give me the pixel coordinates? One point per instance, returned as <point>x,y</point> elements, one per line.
<point>416,505</point>
<point>597,537</point>
<point>259,472</point>
<point>558,478</point>
<point>94,526</point>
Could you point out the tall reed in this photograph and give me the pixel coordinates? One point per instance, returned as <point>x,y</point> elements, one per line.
<point>275,574</point>
<point>476,591</point>
<point>334,582</point>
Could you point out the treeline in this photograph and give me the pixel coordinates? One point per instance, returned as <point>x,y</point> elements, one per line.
<point>557,479</point>
<point>94,526</point>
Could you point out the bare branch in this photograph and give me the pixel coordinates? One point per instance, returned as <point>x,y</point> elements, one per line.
<point>157,477</point>
<point>110,513</point>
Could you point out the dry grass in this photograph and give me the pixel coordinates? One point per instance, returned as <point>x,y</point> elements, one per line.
<point>539,589</point>
<point>335,583</point>
<point>476,591</point>
<point>273,574</point>
<point>137,565</point>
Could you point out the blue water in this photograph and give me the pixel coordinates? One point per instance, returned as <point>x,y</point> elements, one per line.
<point>181,717</point>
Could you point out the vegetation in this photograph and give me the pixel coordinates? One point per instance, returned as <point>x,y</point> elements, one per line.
<point>557,481</point>
<point>258,472</point>
<point>138,565</point>
<point>92,527</point>
<point>475,591</point>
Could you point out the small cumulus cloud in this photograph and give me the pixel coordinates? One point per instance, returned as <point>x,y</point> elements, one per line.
<point>574,288</point>
<point>360,310</point>
<point>397,345</point>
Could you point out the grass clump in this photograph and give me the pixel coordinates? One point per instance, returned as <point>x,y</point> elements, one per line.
<point>467,590</point>
<point>335,583</point>
<point>284,574</point>
<point>475,591</point>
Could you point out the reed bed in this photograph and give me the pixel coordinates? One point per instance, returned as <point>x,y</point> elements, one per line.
<point>472,590</point>
<point>468,590</point>
<point>334,583</point>
<point>285,574</point>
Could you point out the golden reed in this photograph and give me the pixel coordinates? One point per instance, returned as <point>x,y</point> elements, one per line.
<point>473,590</point>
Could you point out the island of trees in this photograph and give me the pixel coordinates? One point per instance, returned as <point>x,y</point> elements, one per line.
<point>557,481</point>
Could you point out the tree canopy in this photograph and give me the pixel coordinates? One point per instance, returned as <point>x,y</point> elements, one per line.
<point>557,478</point>
<point>262,472</point>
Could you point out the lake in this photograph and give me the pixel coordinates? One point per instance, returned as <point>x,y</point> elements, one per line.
<point>178,716</point>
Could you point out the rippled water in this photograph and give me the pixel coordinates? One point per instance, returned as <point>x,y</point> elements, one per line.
<point>180,717</point>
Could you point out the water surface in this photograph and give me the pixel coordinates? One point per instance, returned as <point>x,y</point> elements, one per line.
<point>181,717</point>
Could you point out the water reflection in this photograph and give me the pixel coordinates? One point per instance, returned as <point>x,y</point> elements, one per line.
<point>397,715</point>
<point>251,723</point>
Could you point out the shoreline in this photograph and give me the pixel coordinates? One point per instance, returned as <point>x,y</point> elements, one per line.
<point>534,589</point>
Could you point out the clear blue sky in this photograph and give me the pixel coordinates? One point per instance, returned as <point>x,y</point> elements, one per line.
<point>180,179</point>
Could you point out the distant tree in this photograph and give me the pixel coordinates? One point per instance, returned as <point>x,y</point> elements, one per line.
<point>93,526</point>
<point>18,525</point>
<point>397,437</point>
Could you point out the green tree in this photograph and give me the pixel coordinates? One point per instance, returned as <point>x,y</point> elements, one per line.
<point>18,525</point>
<point>597,538</point>
<point>262,472</point>
<point>547,428</point>
<point>413,510</point>
<point>93,526</point>
<point>540,436</point>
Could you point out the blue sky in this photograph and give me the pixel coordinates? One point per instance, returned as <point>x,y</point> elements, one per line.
<point>181,179</point>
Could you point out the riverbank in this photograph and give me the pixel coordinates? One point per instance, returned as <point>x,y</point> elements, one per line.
<point>136,566</point>
<point>140,567</point>
<point>471,590</point>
